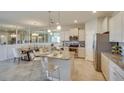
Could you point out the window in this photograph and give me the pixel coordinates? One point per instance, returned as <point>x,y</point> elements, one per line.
<point>55,37</point>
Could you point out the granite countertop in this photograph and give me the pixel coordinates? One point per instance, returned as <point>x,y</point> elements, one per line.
<point>117,59</point>
<point>59,56</point>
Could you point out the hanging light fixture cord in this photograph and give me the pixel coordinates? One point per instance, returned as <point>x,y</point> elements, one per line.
<point>49,18</point>
<point>59,17</point>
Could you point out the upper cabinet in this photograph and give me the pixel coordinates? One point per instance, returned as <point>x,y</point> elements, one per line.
<point>105,24</point>
<point>74,32</point>
<point>65,35</point>
<point>81,35</point>
<point>116,28</point>
<point>122,35</point>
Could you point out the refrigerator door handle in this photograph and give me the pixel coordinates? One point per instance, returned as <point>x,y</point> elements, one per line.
<point>93,41</point>
<point>93,44</point>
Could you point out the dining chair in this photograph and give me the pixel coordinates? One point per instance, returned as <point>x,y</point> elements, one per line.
<point>33,57</point>
<point>50,69</point>
<point>16,54</point>
<point>36,54</point>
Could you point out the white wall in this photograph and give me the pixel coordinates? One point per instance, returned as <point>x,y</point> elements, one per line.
<point>98,25</point>
<point>90,30</point>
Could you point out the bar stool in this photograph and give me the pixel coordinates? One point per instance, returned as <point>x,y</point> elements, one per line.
<point>50,69</point>
<point>72,57</point>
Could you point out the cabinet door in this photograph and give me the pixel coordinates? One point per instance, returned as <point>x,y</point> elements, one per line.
<point>81,35</point>
<point>74,31</point>
<point>81,52</point>
<point>122,26</point>
<point>105,66</point>
<point>116,73</point>
<point>66,35</point>
<point>105,25</point>
<point>116,28</point>
<point>111,28</point>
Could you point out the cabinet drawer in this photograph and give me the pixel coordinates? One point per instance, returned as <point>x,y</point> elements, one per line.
<point>117,68</point>
<point>116,73</point>
<point>81,52</point>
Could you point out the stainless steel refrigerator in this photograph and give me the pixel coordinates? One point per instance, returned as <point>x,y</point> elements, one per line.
<point>100,44</point>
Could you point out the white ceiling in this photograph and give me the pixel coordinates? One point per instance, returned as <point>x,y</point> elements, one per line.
<point>40,18</point>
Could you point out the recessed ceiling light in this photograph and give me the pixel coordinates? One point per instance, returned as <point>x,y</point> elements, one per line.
<point>75,21</point>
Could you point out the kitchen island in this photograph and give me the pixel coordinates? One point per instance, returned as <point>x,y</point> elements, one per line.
<point>63,62</point>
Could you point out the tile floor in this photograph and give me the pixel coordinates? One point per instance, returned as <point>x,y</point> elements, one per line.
<point>84,71</point>
<point>31,71</point>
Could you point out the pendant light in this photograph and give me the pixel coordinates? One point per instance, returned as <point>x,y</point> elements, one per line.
<point>58,24</point>
<point>49,30</point>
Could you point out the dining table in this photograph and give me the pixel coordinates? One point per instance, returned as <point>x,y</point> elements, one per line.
<point>27,52</point>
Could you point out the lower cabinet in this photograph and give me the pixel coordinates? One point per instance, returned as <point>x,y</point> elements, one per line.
<point>110,70</point>
<point>116,73</point>
<point>81,52</point>
<point>105,66</point>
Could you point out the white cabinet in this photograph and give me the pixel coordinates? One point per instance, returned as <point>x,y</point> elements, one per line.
<point>81,52</point>
<point>116,73</point>
<point>105,24</point>
<point>116,28</point>
<point>74,32</point>
<point>66,35</point>
<point>122,26</point>
<point>111,27</point>
<point>105,66</point>
<point>81,35</point>
<point>110,70</point>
